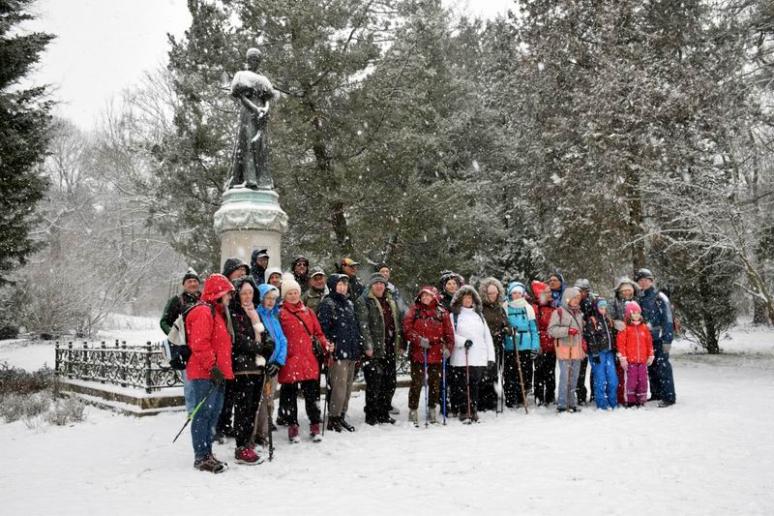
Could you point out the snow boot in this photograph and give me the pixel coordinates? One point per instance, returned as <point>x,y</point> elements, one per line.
<point>246,456</point>
<point>371,420</point>
<point>413,417</point>
<point>314,432</point>
<point>664,404</point>
<point>293,434</point>
<point>385,418</point>
<point>210,464</point>
<point>345,425</point>
<point>394,411</point>
<point>334,424</point>
<point>574,409</point>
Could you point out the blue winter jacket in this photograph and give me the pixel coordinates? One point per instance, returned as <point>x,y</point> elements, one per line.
<point>527,337</point>
<point>270,319</point>
<point>657,312</point>
<point>340,325</point>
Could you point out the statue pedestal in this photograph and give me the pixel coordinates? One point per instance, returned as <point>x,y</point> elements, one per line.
<point>250,219</point>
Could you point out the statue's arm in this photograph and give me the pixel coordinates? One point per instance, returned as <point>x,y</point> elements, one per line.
<point>249,104</point>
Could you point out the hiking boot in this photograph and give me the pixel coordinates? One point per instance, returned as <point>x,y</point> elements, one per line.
<point>664,404</point>
<point>394,411</point>
<point>371,420</point>
<point>314,432</point>
<point>293,434</point>
<point>561,409</point>
<point>574,409</point>
<point>210,464</point>
<point>334,424</point>
<point>281,421</point>
<point>345,425</point>
<point>246,456</point>
<point>413,417</point>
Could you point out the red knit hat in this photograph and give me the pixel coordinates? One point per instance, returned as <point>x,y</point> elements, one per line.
<point>631,307</point>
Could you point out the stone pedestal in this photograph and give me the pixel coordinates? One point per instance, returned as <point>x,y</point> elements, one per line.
<point>250,219</point>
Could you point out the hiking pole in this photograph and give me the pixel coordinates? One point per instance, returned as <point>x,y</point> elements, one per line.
<point>443,380</point>
<point>518,368</point>
<point>427,393</point>
<point>521,379</point>
<point>194,411</point>
<point>325,401</point>
<point>269,416</point>
<point>500,405</point>
<point>467,381</point>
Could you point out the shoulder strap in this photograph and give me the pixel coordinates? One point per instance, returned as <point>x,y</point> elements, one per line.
<point>294,314</point>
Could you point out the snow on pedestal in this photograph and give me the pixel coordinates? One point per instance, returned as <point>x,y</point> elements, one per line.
<point>250,219</point>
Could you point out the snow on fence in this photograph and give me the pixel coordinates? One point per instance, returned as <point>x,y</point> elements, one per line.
<point>140,367</point>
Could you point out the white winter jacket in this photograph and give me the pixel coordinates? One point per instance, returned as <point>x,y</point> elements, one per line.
<point>470,325</point>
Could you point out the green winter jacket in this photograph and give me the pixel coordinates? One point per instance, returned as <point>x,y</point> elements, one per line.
<point>369,313</point>
<point>176,306</point>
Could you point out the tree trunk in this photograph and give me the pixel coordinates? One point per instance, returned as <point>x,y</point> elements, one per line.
<point>635,221</point>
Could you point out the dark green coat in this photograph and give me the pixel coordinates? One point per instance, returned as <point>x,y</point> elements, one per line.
<point>312,298</point>
<point>176,306</point>
<point>369,313</point>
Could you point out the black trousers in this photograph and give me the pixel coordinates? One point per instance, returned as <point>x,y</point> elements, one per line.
<point>380,377</point>
<point>224,425</point>
<point>545,378</point>
<point>463,382</point>
<point>288,408</point>
<point>246,393</point>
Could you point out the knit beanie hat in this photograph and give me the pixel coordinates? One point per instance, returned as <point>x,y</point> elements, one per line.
<point>516,286</point>
<point>376,278</point>
<point>289,284</point>
<point>631,307</point>
<point>191,274</point>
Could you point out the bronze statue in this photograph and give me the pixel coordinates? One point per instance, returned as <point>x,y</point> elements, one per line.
<point>251,149</point>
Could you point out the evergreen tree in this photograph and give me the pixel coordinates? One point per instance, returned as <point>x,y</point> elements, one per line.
<point>24,121</point>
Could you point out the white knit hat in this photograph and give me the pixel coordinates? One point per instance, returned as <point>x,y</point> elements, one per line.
<point>289,283</point>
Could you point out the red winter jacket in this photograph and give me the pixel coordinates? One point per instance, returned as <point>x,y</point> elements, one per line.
<point>635,343</point>
<point>301,364</point>
<point>208,336</point>
<point>432,322</point>
<point>543,318</point>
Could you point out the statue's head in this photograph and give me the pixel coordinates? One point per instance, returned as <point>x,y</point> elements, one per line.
<point>253,59</point>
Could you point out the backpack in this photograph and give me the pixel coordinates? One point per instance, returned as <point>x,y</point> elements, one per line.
<point>175,348</point>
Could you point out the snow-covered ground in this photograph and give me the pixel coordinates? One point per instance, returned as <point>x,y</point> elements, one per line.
<point>712,453</point>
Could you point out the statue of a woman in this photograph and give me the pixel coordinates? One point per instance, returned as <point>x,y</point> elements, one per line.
<point>251,149</point>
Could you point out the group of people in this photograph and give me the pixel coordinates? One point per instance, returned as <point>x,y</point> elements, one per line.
<point>254,329</point>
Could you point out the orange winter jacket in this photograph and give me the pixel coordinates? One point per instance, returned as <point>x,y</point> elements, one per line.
<point>635,343</point>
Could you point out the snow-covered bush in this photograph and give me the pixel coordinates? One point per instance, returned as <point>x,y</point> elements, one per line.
<point>70,410</point>
<point>16,406</point>
<point>29,396</point>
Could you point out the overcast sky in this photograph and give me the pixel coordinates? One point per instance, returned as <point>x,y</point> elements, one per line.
<point>103,46</point>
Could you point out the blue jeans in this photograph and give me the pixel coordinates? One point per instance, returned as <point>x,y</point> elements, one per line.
<point>605,380</point>
<point>569,372</point>
<point>189,402</point>
<point>207,416</point>
<point>662,382</point>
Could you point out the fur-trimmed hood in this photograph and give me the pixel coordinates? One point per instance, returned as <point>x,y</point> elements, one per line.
<point>626,281</point>
<point>484,286</point>
<point>456,303</point>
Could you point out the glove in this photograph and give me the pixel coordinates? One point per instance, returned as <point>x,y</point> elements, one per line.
<point>446,353</point>
<point>666,348</point>
<point>650,360</point>
<point>217,376</point>
<point>272,369</point>
<point>623,361</point>
<point>572,331</point>
<point>268,348</point>
<point>424,343</point>
<point>468,344</point>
